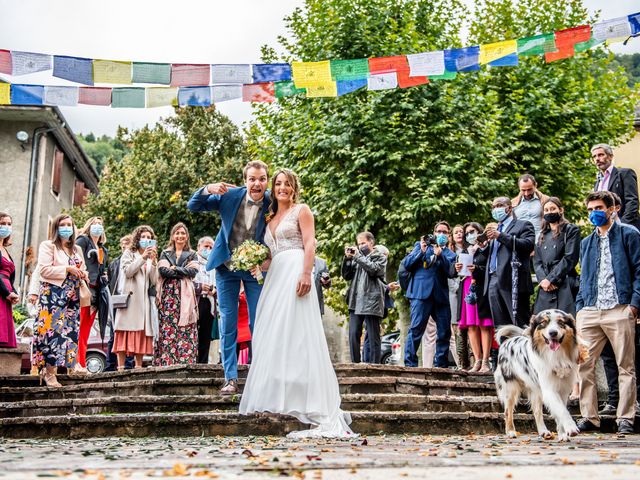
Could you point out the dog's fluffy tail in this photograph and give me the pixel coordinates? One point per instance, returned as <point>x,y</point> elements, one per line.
<point>507,331</point>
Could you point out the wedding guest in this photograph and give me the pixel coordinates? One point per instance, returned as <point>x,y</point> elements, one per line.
<point>55,333</point>
<point>8,294</point>
<point>177,308</point>
<point>458,346</point>
<point>91,240</point>
<point>321,279</point>
<point>527,205</point>
<point>205,284</point>
<point>134,325</point>
<point>474,309</point>
<point>243,348</point>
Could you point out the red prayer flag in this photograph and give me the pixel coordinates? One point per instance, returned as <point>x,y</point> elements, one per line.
<point>190,75</point>
<point>95,96</point>
<point>566,41</point>
<point>388,64</point>
<point>5,62</point>
<point>258,92</point>
<point>405,81</point>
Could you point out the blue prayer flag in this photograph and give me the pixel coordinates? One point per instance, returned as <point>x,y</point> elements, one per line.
<point>348,86</point>
<point>510,60</point>
<point>271,72</point>
<point>634,20</point>
<point>26,94</point>
<point>462,59</point>
<point>194,96</point>
<point>75,69</point>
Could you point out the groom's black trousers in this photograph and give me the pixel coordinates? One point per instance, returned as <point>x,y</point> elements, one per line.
<point>355,334</point>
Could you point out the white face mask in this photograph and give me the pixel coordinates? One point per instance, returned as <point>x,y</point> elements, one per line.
<point>471,238</point>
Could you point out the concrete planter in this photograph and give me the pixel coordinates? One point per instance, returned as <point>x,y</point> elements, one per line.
<point>11,359</point>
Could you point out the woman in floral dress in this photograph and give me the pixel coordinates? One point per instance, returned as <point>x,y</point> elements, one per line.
<point>177,304</point>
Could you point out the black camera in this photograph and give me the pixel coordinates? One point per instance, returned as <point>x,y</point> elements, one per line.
<point>351,250</point>
<point>430,239</point>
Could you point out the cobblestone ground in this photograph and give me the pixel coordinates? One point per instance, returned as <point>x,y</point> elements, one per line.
<point>374,457</point>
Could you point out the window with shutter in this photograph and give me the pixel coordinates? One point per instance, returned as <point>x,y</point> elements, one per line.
<point>80,193</point>
<point>56,174</point>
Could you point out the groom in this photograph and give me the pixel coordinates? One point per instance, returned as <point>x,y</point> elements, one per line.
<point>242,211</point>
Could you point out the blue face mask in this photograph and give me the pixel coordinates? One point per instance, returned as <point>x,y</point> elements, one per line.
<point>65,232</point>
<point>5,231</point>
<point>598,218</point>
<point>96,230</point>
<point>204,253</point>
<point>442,239</point>
<point>499,213</point>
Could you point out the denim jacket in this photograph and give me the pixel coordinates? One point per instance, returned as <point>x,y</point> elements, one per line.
<point>624,242</point>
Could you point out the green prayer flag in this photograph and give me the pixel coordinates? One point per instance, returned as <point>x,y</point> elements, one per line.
<point>349,69</point>
<point>537,45</point>
<point>287,89</point>
<point>584,46</point>
<point>445,76</point>
<point>128,97</point>
<point>151,73</point>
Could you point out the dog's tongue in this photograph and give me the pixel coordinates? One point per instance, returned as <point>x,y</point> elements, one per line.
<point>554,345</point>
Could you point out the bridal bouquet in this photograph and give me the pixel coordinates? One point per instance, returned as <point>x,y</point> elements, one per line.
<point>249,255</point>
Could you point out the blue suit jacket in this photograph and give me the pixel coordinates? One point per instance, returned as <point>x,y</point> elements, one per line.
<point>432,280</point>
<point>228,206</point>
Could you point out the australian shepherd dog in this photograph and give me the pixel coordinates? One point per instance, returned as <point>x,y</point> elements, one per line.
<point>540,362</point>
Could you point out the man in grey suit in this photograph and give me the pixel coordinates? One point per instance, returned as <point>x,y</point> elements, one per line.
<point>322,279</point>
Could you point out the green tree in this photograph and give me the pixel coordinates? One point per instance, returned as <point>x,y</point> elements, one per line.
<point>165,165</point>
<point>100,150</point>
<point>631,65</point>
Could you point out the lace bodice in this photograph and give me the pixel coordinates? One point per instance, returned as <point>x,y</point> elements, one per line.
<point>288,235</point>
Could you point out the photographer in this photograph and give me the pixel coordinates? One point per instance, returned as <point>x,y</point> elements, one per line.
<point>365,267</point>
<point>430,266</point>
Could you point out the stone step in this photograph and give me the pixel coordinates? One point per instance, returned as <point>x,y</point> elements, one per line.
<point>229,423</point>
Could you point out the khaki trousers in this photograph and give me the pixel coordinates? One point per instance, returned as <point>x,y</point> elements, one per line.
<point>595,327</point>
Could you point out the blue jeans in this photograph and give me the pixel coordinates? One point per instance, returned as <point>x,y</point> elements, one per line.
<point>228,285</point>
<point>421,310</point>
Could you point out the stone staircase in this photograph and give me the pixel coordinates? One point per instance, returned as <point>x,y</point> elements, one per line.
<point>185,401</point>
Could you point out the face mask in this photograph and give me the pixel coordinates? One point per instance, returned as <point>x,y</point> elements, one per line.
<point>204,253</point>
<point>442,239</point>
<point>144,242</point>
<point>96,230</point>
<point>65,232</point>
<point>471,238</point>
<point>5,231</point>
<point>365,250</point>
<point>598,218</point>
<point>552,217</point>
<point>499,213</point>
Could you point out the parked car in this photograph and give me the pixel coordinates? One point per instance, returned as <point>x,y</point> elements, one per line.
<point>390,346</point>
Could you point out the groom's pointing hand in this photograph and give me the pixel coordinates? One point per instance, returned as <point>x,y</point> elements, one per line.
<point>219,188</point>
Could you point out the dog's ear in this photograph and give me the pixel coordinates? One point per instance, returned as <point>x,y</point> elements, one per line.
<point>570,321</point>
<point>533,323</point>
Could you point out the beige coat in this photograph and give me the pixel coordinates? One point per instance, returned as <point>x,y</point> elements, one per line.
<point>137,278</point>
<point>53,262</point>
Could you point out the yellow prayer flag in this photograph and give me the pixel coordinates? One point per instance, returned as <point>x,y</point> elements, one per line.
<point>311,74</point>
<point>5,93</point>
<point>495,51</point>
<point>162,96</point>
<point>325,90</point>
<point>110,71</point>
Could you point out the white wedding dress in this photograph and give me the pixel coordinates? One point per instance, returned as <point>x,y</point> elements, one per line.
<point>291,372</point>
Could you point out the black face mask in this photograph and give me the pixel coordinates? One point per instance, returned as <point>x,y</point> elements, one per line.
<point>552,217</point>
<point>365,250</point>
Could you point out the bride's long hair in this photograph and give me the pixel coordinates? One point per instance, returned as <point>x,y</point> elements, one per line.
<point>295,184</point>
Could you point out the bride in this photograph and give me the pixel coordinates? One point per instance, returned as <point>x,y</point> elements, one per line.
<point>291,372</point>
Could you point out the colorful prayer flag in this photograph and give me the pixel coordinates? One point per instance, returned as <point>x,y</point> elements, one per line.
<point>95,96</point>
<point>5,93</point>
<point>445,76</point>
<point>5,62</point>
<point>222,93</point>
<point>566,40</point>
<point>382,81</point>
<point>584,46</point>
<point>634,21</point>
<point>537,45</point>
<point>65,96</point>
<point>614,28</point>
<point>349,69</point>
<point>271,72</point>
<point>311,74</point>
<point>348,86</point>
<point>427,63</point>
<point>406,81</point>
<point>231,73</point>
<point>74,69</point>
<point>194,96</point>
<point>324,90</point>
<point>24,63</point>
<point>258,92</point>
<point>287,89</point>
<point>388,64</point>
<point>183,74</point>
<point>161,96</point>
<point>144,72</point>
<point>510,60</point>
<point>461,59</point>
<point>111,71</point>
<point>128,97</point>
<point>26,94</point>
<point>495,51</point>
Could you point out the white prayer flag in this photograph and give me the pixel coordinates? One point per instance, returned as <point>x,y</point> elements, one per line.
<point>382,81</point>
<point>426,64</point>
<point>231,73</point>
<point>615,28</point>
<point>161,96</point>
<point>65,96</point>
<point>221,93</point>
<point>25,62</point>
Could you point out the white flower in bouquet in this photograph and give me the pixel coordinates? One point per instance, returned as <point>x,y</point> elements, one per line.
<point>249,255</point>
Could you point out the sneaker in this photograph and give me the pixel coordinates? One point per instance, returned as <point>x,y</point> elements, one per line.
<point>586,425</point>
<point>608,409</point>
<point>230,387</point>
<point>625,426</point>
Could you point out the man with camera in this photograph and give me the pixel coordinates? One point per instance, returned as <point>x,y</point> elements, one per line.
<point>430,266</point>
<point>365,268</point>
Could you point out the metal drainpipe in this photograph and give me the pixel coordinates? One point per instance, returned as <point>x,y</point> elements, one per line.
<point>33,176</point>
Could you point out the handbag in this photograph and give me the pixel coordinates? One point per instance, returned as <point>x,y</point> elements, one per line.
<point>120,300</point>
<point>85,294</point>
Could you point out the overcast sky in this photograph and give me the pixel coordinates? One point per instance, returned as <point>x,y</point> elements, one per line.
<point>189,31</point>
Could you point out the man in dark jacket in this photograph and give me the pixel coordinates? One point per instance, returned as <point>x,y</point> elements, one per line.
<point>502,284</point>
<point>428,294</point>
<point>607,306</point>
<point>365,267</point>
